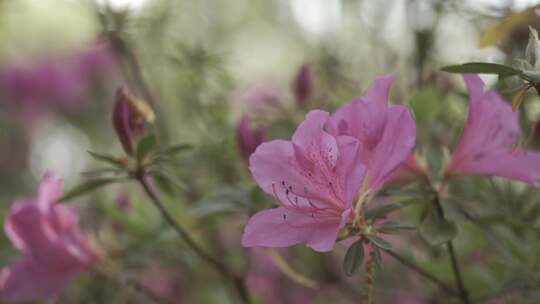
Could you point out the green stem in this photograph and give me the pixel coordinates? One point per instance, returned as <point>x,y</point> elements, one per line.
<point>464,295</point>
<point>222,269</point>
<point>442,285</point>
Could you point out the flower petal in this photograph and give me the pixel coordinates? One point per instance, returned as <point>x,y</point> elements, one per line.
<point>281,228</point>
<point>518,165</point>
<point>394,146</point>
<point>380,89</point>
<point>349,167</point>
<point>487,144</point>
<point>25,281</point>
<point>50,190</point>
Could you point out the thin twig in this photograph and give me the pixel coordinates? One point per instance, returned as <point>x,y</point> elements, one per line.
<point>464,295</point>
<point>237,280</point>
<point>442,285</point>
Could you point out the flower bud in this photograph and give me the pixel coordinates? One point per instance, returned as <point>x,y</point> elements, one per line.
<point>129,117</point>
<point>532,51</point>
<point>248,138</point>
<point>303,85</point>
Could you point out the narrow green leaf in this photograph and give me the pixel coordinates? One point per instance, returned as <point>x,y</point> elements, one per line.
<point>380,211</point>
<point>177,149</point>
<point>164,184</point>
<point>483,68</point>
<point>86,187</point>
<point>436,231</point>
<point>145,146</point>
<point>353,258</point>
<point>377,241</point>
<point>107,159</point>
<point>395,227</point>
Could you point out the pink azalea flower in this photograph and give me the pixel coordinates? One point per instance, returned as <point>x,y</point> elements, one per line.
<point>56,83</point>
<point>487,146</point>
<point>54,248</point>
<point>314,177</point>
<point>386,133</point>
<point>260,97</point>
<point>317,175</point>
<point>163,283</point>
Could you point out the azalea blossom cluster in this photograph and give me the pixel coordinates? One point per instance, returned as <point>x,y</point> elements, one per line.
<point>323,176</point>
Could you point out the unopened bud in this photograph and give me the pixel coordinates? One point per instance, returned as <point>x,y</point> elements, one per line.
<point>532,51</point>
<point>130,114</point>
<point>303,85</point>
<point>248,137</point>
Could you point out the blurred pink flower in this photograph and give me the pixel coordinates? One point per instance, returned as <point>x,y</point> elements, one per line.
<point>314,177</point>
<point>386,133</point>
<point>53,246</point>
<point>55,82</point>
<point>260,98</point>
<point>164,284</point>
<point>123,202</point>
<point>270,285</point>
<point>248,138</point>
<point>303,85</point>
<point>487,146</point>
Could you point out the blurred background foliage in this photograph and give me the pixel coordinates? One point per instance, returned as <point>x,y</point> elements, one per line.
<point>202,65</point>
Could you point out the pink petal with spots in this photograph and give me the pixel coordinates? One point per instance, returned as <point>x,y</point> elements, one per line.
<point>282,228</point>
<point>314,178</point>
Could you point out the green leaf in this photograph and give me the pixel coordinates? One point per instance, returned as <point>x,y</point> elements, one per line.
<point>436,231</point>
<point>164,184</point>
<point>221,200</point>
<point>377,241</point>
<point>177,149</point>
<point>86,187</point>
<point>380,211</point>
<point>483,68</point>
<point>353,258</point>
<point>107,159</point>
<point>145,146</point>
<point>395,227</point>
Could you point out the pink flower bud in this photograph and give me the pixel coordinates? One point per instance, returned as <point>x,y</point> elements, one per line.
<point>303,85</point>
<point>129,117</point>
<point>248,138</point>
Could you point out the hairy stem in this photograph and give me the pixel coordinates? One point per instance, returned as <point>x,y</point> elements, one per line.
<point>370,279</point>
<point>222,269</point>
